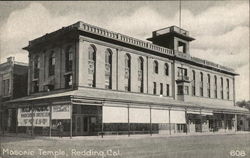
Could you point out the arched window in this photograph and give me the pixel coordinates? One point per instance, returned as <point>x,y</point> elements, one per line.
<point>140,74</point>
<point>227,89</point>
<point>36,67</point>
<point>166,69</point>
<point>193,83</point>
<point>69,59</point>
<point>215,87</point>
<point>156,67</point>
<point>91,65</point>
<point>221,90</point>
<point>108,69</point>
<point>52,63</point>
<point>201,84</point>
<point>127,72</point>
<point>208,86</point>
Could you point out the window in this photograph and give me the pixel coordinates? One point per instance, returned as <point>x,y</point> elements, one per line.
<point>186,90</point>
<point>181,47</point>
<point>154,90</point>
<point>215,87</point>
<point>108,69</point>
<point>228,89</point>
<point>221,90</point>
<point>167,87</point>
<point>166,69</point>
<point>36,67</point>
<point>52,63</point>
<point>68,81</point>
<point>35,86</point>
<point>182,73</point>
<point>91,65</point>
<point>127,72</point>
<point>6,87</point>
<point>208,86</point>
<point>201,85</point>
<point>69,59</point>
<point>193,83</point>
<point>140,74</point>
<point>180,90</point>
<point>161,88</point>
<point>156,67</point>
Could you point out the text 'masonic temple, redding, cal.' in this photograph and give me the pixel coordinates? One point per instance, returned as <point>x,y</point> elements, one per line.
<point>99,82</point>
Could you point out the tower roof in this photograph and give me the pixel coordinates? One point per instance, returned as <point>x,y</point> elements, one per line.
<point>169,32</point>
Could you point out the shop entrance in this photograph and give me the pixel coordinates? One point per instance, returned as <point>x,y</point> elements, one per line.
<point>81,125</point>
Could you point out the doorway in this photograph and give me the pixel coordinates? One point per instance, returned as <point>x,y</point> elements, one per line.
<point>81,125</point>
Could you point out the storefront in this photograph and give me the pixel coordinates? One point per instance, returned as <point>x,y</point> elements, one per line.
<point>82,116</point>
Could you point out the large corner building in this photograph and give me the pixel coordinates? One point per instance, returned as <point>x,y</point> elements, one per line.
<point>97,81</point>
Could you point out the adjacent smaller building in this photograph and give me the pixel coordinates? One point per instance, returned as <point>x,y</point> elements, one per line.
<point>13,84</point>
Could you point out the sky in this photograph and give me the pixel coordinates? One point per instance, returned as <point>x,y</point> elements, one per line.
<point>221,28</point>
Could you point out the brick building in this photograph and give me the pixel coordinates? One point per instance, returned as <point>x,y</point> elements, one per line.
<point>13,84</point>
<point>97,81</point>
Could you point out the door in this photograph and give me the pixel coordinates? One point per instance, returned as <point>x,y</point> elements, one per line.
<point>81,125</point>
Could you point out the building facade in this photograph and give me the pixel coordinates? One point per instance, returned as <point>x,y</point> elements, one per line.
<point>13,84</point>
<point>97,81</point>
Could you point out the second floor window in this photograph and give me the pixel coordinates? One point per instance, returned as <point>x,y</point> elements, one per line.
<point>193,83</point>
<point>221,90</point>
<point>127,72</point>
<point>166,69</point>
<point>36,67</point>
<point>91,65</point>
<point>108,69</point>
<point>227,89</point>
<point>215,87</point>
<point>52,63</point>
<point>69,59</point>
<point>6,87</point>
<point>156,67</point>
<point>201,85</point>
<point>35,86</point>
<point>182,73</point>
<point>140,74</point>
<point>208,86</point>
<point>68,81</point>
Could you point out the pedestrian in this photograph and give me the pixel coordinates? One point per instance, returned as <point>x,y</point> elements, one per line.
<point>60,129</point>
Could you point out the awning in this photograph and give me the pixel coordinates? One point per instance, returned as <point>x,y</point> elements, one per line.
<point>202,112</point>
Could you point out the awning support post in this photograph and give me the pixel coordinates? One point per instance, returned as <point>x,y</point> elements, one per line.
<point>16,120</point>
<point>32,119</point>
<point>71,112</point>
<point>235,122</point>
<point>50,119</point>
<point>187,124</point>
<point>169,121</point>
<point>128,123</point>
<point>214,123</point>
<point>102,122</point>
<point>150,111</point>
<point>201,120</point>
<point>225,121</point>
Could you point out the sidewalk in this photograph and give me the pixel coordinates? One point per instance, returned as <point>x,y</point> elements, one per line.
<point>110,137</point>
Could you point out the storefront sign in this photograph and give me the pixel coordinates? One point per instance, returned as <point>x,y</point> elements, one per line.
<point>61,112</point>
<point>40,116</point>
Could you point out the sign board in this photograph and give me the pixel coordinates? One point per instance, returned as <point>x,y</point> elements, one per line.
<point>60,112</point>
<point>40,116</point>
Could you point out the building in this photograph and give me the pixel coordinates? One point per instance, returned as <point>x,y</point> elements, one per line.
<point>13,84</point>
<point>97,81</point>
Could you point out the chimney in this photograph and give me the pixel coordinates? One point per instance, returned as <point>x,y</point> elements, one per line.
<point>10,59</point>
